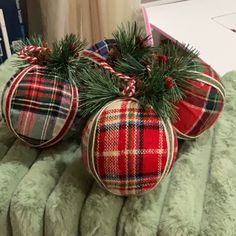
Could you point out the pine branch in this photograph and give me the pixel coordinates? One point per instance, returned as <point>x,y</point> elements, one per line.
<point>134,50</point>
<point>19,63</point>
<point>180,62</point>
<point>159,83</point>
<point>132,40</point>
<point>64,59</point>
<point>130,66</point>
<point>155,94</point>
<point>179,66</point>
<point>151,87</point>
<point>96,89</point>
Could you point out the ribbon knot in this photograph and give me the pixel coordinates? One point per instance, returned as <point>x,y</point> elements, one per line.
<point>28,53</point>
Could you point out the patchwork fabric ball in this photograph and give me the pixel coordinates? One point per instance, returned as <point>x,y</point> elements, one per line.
<point>39,109</point>
<point>202,104</point>
<point>128,149</point>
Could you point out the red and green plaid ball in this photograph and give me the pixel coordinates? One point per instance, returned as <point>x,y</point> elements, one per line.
<point>128,149</point>
<point>39,110</point>
<point>202,104</point>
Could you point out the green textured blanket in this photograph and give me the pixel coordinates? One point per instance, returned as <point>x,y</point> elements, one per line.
<point>49,193</point>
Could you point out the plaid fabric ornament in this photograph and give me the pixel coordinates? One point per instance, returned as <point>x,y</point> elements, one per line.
<point>202,104</point>
<point>38,109</point>
<point>128,149</point>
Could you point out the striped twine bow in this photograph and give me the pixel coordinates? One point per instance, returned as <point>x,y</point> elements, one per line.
<point>26,51</point>
<point>129,90</point>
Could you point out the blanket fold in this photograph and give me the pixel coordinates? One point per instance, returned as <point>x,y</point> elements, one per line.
<point>219,213</point>
<point>13,168</point>
<point>100,213</point>
<point>29,200</point>
<point>64,205</point>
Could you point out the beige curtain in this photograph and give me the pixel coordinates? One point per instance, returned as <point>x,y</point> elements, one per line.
<point>91,19</point>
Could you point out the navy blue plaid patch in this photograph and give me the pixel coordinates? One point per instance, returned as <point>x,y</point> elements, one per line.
<point>102,47</point>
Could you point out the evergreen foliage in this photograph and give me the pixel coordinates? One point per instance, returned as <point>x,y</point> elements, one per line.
<point>160,72</point>
<point>64,58</point>
<point>96,88</point>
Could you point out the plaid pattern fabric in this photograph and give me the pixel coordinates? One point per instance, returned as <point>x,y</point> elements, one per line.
<point>204,68</point>
<point>202,104</point>
<point>102,47</point>
<point>39,110</point>
<point>128,149</point>
<point>4,95</point>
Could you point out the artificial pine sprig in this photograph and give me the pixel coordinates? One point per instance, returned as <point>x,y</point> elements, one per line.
<point>132,50</point>
<point>171,68</point>
<point>128,65</point>
<point>155,93</point>
<point>131,39</point>
<point>180,63</point>
<point>96,88</point>
<point>64,58</point>
<point>162,71</point>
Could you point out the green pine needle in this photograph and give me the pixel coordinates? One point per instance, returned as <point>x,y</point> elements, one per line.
<point>180,62</point>
<point>180,68</point>
<point>130,66</point>
<point>96,89</point>
<point>153,93</point>
<point>131,39</point>
<point>64,59</point>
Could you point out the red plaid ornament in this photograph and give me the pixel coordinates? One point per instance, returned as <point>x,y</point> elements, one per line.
<point>39,110</point>
<point>202,104</point>
<point>128,149</point>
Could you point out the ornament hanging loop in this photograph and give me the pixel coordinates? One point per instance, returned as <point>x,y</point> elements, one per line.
<point>28,53</point>
<point>129,90</point>
<point>130,87</point>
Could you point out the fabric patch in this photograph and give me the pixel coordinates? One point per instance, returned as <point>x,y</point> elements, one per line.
<point>102,47</point>
<point>131,150</point>
<point>202,104</point>
<point>40,106</point>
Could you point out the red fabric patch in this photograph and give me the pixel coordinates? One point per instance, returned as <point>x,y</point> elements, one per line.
<point>131,148</point>
<point>201,106</point>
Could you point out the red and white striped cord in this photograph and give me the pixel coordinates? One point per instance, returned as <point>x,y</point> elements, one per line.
<point>129,90</point>
<point>24,53</point>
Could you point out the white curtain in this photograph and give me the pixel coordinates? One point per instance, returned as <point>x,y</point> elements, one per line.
<point>91,19</point>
